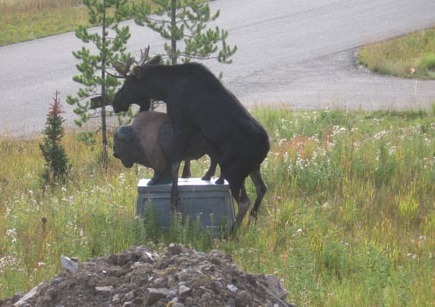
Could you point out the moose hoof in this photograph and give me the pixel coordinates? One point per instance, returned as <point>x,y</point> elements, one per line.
<point>253,214</point>
<point>220,181</point>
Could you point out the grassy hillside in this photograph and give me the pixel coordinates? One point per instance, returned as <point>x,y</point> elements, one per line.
<point>410,56</point>
<point>348,219</point>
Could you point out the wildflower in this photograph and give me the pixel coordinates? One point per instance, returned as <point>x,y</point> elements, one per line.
<point>12,233</point>
<point>338,130</point>
<point>122,177</point>
<point>380,134</point>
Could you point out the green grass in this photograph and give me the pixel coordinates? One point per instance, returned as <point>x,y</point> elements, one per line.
<point>410,56</point>
<point>349,218</point>
<point>22,20</point>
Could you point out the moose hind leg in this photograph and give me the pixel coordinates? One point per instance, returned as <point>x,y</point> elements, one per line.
<point>175,167</point>
<point>243,204</point>
<point>260,188</point>
<point>176,156</point>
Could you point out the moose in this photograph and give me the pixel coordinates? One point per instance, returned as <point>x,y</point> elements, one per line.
<point>148,141</point>
<point>197,101</point>
<point>144,105</point>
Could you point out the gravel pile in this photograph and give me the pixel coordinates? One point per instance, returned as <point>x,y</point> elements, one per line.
<point>140,277</point>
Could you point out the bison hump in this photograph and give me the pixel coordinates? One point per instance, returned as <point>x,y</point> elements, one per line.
<point>147,127</point>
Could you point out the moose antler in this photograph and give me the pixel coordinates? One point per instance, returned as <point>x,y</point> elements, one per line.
<point>123,69</point>
<point>143,56</point>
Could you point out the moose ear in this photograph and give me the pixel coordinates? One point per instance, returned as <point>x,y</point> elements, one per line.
<point>137,72</point>
<point>155,60</point>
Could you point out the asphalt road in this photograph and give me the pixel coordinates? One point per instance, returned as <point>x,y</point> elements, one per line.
<point>295,53</point>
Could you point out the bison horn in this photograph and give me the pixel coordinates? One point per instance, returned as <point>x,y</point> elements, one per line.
<point>125,133</point>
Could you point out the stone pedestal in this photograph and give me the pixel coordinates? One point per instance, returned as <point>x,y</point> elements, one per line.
<point>203,202</point>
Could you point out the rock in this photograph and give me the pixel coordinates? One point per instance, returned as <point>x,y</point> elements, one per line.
<point>183,290</point>
<point>174,249</point>
<point>104,290</point>
<point>116,299</point>
<point>276,287</point>
<point>129,296</point>
<point>232,288</point>
<point>68,264</point>
<point>22,301</point>
<point>153,295</point>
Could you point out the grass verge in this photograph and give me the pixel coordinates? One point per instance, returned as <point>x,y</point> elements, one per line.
<point>26,20</point>
<point>410,56</point>
<point>349,218</point>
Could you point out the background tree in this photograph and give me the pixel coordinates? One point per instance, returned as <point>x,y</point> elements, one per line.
<point>56,161</point>
<point>184,23</point>
<point>99,88</point>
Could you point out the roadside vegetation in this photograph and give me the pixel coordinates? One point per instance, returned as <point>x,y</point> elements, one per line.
<point>23,20</point>
<point>410,56</point>
<point>349,218</point>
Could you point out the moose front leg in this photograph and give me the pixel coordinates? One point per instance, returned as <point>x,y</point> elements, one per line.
<point>181,134</point>
<point>161,178</point>
<point>186,170</point>
<point>176,156</point>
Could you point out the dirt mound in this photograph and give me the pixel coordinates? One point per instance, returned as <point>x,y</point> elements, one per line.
<point>140,277</point>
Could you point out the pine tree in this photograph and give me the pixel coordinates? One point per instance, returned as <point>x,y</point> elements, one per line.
<point>186,22</point>
<point>56,161</point>
<point>99,88</point>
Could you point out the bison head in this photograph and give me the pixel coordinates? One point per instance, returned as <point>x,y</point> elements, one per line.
<point>126,146</point>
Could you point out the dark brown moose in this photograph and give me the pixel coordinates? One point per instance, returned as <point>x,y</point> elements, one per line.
<point>197,101</point>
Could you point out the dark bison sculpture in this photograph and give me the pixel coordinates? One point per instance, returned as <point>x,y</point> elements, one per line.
<point>148,141</point>
<point>197,101</point>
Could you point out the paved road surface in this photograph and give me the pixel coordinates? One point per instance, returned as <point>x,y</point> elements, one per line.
<point>297,53</point>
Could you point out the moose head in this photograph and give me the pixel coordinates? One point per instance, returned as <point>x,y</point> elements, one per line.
<point>131,91</point>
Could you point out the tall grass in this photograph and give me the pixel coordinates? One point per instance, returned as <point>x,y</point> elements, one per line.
<point>411,56</point>
<point>349,218</point>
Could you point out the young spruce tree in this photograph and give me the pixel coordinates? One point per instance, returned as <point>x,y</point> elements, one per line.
<point>98,87</point>
<point>186,22</point>
<point>56,161</point>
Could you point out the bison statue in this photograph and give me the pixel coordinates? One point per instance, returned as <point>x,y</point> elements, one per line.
<point>149,141</point>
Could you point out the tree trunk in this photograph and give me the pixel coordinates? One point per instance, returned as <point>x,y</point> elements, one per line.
<point>173,26</point>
